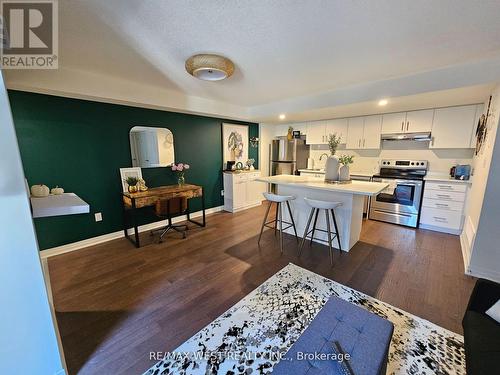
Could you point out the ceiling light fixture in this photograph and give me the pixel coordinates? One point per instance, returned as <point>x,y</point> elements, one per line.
<point>282,116</point>
<point>209,67</point>
<point>382,102</point>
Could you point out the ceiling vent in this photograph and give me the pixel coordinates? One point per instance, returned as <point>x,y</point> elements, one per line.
<point>209,67</point>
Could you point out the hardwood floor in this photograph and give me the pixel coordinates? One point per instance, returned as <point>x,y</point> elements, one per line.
<point>115,304</point>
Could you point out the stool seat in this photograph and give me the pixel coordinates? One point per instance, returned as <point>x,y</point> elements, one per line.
<point>329,208</point>
<point>278,198</point>
<point>324,205</point>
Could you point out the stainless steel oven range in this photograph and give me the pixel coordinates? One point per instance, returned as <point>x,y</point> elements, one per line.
<point>400,202</point>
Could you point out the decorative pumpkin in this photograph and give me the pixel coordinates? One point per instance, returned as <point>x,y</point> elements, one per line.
<point>57,191</point>
<point>40,191</point>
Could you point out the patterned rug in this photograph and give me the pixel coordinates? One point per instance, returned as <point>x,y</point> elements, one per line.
<point>250,337</point>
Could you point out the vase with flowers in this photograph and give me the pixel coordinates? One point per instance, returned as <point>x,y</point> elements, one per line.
<point>345,160</point>
<point>332,163</point>
<point>180,169</point>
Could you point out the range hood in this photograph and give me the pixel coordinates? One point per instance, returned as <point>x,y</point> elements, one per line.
<point>421,136</point>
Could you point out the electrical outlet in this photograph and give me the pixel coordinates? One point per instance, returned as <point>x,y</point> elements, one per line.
<point>222,193</point>
<point>98,216</point>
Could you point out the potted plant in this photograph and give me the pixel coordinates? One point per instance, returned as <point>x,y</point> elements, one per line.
<point>132,184</point>
<point>345,160</point>
<point>249,164</point>
<point>180,169</point>
<point>332,163</point>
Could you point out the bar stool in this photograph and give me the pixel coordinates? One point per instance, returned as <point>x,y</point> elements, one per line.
<point>317,205</point>
<point>279,200</point>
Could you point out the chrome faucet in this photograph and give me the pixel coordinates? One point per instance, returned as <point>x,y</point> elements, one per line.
<point>321,156</point>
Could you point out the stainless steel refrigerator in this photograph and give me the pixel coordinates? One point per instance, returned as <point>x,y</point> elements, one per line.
<point>287,157</point>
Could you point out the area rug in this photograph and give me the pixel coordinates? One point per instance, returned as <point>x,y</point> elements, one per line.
<point>249,337</point>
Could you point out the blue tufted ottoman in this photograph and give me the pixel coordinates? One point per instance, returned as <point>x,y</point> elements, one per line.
<point>361,334</point>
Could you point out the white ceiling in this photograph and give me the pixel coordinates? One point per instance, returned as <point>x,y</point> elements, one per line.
<point>282,49</point>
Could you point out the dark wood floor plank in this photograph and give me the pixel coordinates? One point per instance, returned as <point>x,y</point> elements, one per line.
<point>116,303</point>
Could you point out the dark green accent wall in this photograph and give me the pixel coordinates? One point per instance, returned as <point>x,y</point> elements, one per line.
<point>80,145</point>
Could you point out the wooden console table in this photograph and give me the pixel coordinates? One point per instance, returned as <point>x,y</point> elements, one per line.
<point>134,201</point>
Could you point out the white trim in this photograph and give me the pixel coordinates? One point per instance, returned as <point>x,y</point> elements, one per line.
<point>115,235</point>
<point>466,242</point>
<point>484,273</point>
<point>434,228</point>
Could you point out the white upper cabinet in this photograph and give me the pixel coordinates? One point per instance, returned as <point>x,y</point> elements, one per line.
<point>355,132</point>
<point>452,127</point>
<point>419,121</point>
<point>371,132</point>
<point>316,133</point>
<point>338,126</point>
<point>393,123</point>
<point>408,122</point>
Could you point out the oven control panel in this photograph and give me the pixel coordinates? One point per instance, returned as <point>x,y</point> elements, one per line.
<point>406,164</point>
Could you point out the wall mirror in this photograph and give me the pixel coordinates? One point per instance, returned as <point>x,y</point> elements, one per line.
<point>151,147</point>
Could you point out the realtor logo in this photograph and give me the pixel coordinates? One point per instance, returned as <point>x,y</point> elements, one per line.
<point>29,37</point>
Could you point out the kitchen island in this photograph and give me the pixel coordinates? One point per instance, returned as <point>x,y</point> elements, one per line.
<point>349,215</point>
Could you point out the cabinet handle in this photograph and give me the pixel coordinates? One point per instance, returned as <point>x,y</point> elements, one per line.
<point>442,205</point>
<point>402,125</point>
<point>446,196</point>
<point>437,218</point>
<point>363,142</point>
<point>448,187</point>
<point>432,141</point>
<point>359,142</point>
<point>407,125</point>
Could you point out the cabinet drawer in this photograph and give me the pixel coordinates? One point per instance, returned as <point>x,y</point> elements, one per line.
<point>239,178</point>
<point>441,218</point>
<point>442,204</point>
<point>443,186</point>
<point>444,195</point>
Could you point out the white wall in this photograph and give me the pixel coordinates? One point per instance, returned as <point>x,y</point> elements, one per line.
<point>481,237</point>
<point>27,335</point>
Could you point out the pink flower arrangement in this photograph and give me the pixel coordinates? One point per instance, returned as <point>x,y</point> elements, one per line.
<point>179,169</point>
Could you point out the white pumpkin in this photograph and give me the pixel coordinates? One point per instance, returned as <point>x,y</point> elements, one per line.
<point>40,191</point>
<point>57,191</point>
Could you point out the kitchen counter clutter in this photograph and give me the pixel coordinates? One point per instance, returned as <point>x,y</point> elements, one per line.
<point>445,178</point>
<point>349,215</point>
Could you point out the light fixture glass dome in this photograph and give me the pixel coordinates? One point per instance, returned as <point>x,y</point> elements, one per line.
<point>209,74</point>
<point>209,67</point>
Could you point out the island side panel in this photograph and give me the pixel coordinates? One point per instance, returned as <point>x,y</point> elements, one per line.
<point>349,215</point>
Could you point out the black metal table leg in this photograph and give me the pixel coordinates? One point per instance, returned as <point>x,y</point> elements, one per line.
<point>203,223</point>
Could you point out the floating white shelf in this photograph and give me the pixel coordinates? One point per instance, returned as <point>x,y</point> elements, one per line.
<point>58,205</point>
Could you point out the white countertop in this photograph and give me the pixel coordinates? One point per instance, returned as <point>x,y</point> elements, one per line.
<point>353,173</point>
<point>318,183</point>
<point>57,205</point>
<point>442,177</point>
<point>239,171</point>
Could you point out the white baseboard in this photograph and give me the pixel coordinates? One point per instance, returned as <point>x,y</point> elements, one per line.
<point>493,275</point>
<point>115,235</point>
<point>434,228</point>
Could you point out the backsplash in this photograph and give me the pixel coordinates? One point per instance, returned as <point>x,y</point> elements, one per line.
<point>440,160</point>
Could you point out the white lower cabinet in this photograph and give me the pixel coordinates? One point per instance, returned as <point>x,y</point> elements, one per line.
<point>443,206</point>
<point>241,191</point>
